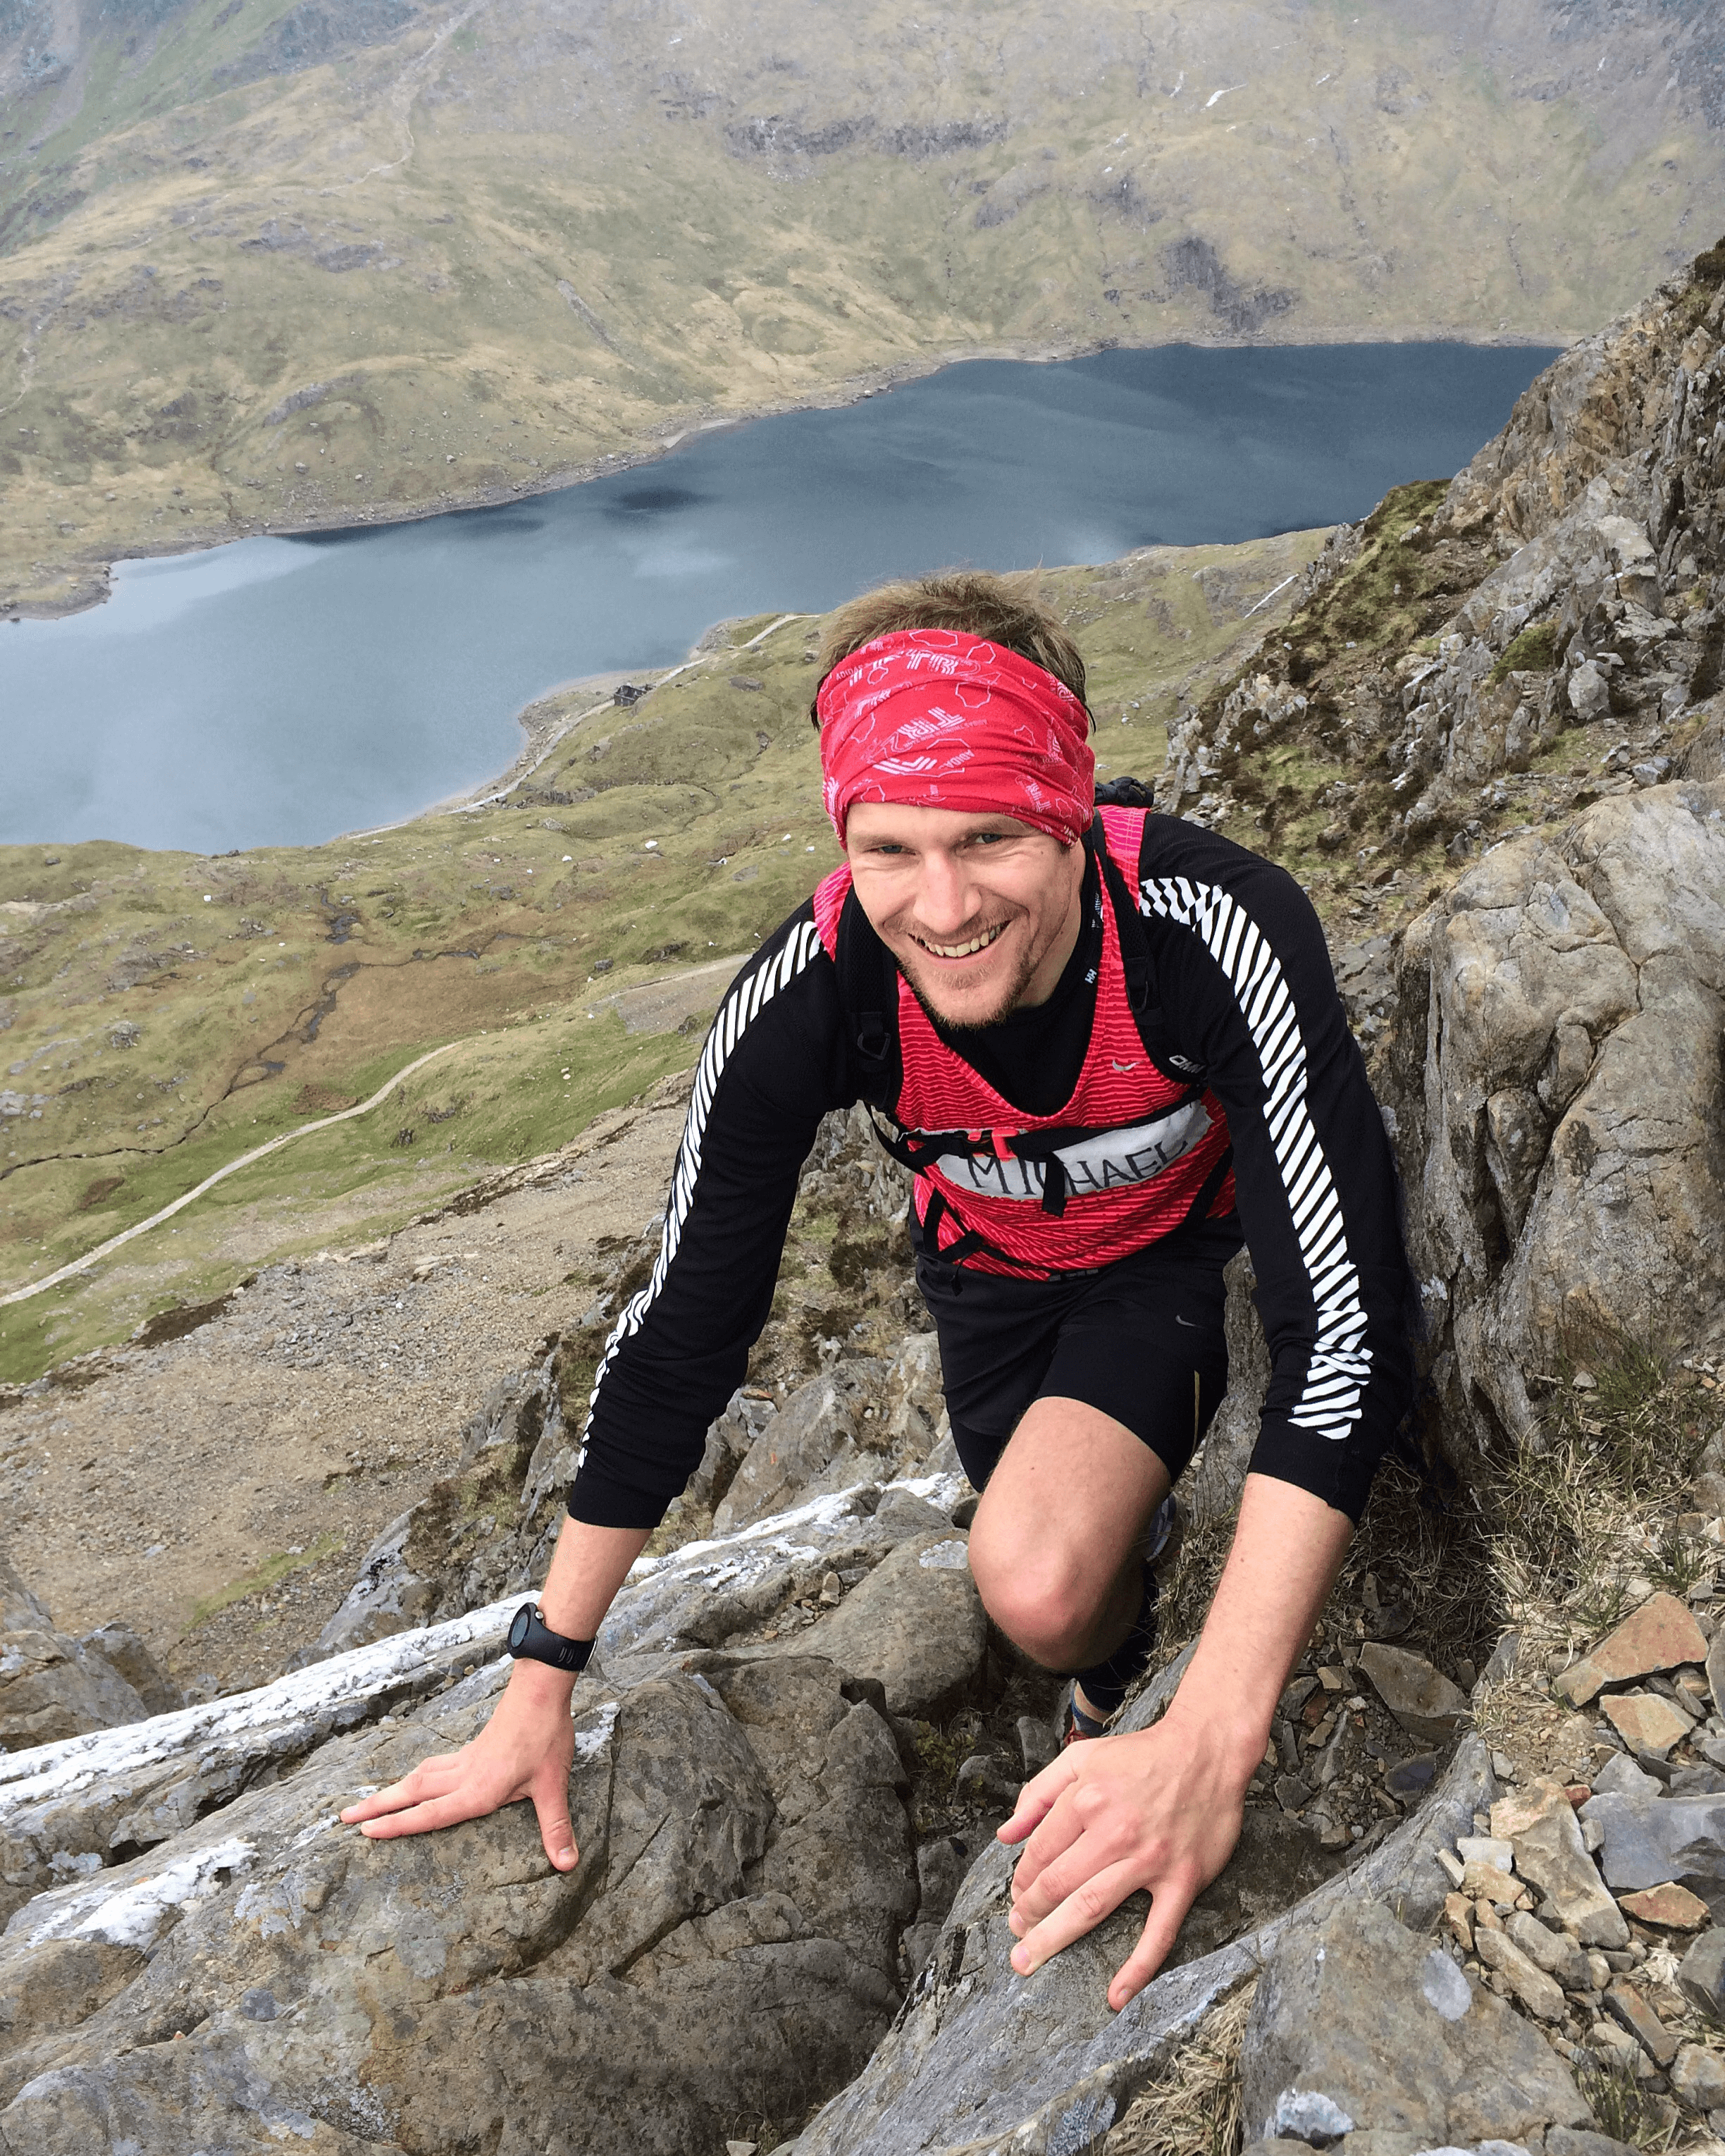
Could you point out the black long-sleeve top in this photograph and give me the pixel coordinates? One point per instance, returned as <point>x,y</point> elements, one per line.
<point>1243,981</point>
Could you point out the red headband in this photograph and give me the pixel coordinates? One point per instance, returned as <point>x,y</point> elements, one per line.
<point>934,718</point>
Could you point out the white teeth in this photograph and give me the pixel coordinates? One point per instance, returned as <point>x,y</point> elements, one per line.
<point>963,950</point>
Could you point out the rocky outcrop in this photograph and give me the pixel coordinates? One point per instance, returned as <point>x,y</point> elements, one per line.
<point>728,1939</point>
<point>729,1942</point>
<point>980,2058</point>
<point>1361,2026</point>
<point>1562,1007</point>
<point>1545,1036</point>
<point>52,1686</point>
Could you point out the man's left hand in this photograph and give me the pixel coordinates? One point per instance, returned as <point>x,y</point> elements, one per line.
<point>1159,1808</point>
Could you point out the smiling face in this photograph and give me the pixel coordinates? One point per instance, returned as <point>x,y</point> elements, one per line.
<point>981,912</point>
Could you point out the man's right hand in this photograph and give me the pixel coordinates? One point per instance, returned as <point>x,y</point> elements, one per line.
<point>525,1750</point>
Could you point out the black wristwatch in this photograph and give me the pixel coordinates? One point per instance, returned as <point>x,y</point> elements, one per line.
<point>530,1638</point>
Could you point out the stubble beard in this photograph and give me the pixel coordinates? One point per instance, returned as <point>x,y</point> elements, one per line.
<point>1001,1008</point>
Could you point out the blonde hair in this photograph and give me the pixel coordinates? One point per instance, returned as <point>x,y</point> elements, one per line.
<point>1004,610</point>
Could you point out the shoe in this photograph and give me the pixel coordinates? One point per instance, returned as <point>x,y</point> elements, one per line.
<point>1161,1528</point>
<point>1076,1726</point>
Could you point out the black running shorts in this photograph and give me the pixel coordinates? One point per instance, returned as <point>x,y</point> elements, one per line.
<point>1141,1340</point>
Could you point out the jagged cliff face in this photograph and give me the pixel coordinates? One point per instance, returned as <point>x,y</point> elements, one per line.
<point>268,263</point>
<point>1518,676</point>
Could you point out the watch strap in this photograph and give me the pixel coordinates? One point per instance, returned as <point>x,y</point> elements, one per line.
<point>530,1638</point>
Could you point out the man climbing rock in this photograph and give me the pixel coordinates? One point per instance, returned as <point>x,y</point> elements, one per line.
<point>1110,1045</point>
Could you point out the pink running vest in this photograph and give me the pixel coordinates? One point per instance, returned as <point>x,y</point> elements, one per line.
<point>1137,1149</point>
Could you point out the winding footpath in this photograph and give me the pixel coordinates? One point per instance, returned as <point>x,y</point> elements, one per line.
<point>142,1227</point>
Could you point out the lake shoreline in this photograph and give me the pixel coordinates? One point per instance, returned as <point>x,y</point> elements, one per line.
<point>854,389</point>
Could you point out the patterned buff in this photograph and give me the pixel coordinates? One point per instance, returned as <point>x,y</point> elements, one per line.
<point>937,719</point>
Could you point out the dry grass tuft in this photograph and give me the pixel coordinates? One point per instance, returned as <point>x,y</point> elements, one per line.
<point>1427,1551</point>
<point>1625,2112</point>
<point>1598,1508</point>
<point>1192,2108</point>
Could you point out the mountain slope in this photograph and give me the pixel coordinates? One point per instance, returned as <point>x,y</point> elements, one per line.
<point>266,265</point>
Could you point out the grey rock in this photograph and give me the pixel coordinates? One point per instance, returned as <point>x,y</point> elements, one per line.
<point>901,1515</point>
<point>1347,2008</point>
<point>707,1592</point>
<point>1698,2077</point>
<point>1038,1743</point>
<point>816,1429</point>
<point>126,1653</point>
<point>977,2054</point>
<point>64,1808</point>
<point>1540,1825</point>
<point>726,1943</point>
<point>1649,1840</point>
<point>1556,1953</point>
<point>1582,973</point>
<point>728,1439</point>
<point>1715,1670</point>
<point>1541,1993</point>
<point>1701,1976</point>
<point>916,1625</point>
<point>1219,1474</point>
<point>1627,2007</point>
<point>1589,693</point>
<point>52,1685</point>
<point>1413,1776</point>
<point>1578,2141</point>
<point>1500,1663</point>
<point>386,1596</point>
<point>1308,2116</point>
<point>1620,1777</point>
<point>1422,1699</point>
<point>941,1866</point>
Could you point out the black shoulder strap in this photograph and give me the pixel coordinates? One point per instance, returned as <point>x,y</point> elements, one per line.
<point>867,996</point>
<point>1139,966</point>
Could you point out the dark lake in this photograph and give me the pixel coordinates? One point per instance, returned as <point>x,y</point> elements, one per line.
<point>284,690</point>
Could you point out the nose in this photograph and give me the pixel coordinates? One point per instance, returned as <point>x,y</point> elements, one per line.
<point>947,898</point>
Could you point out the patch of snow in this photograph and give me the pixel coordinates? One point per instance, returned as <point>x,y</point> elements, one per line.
<point>135,1915</point>
<point>945,1557</point>
<point>47,1772</point>
<point>590,1742</point>
<point>310,1834</point>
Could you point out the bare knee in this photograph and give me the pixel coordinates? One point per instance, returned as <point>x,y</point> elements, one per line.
<point>1047,1600</point>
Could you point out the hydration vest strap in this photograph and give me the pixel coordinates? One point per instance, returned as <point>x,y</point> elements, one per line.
<point>868,990</point>
<point>918,1149</point>
<point>963,1246</point>
<point>1199,1208</point>
<point>1137,965</point>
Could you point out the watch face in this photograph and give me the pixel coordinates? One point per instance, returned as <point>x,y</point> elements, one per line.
<point>519,1627</point>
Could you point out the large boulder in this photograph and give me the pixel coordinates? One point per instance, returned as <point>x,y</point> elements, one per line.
<point>1562,1094</point>
<point>915,1626</point>
<point>68,1808</point>
<point>981,2058</point>
<point>52,1686</point>
<point>726,1946</point>
<point>1360,2026</point>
